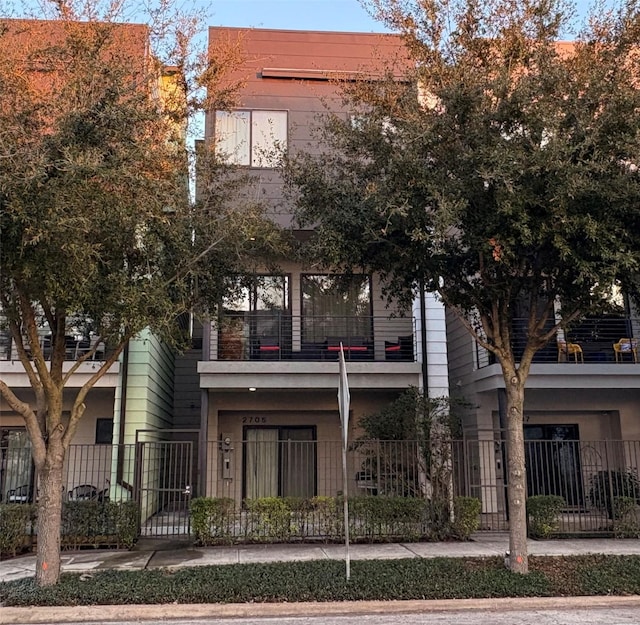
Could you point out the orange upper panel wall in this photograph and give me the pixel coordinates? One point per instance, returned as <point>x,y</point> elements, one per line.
<point>295,71</point>
<point>285,69</point>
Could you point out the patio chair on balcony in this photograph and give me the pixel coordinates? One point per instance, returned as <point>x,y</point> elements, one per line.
<point>269,348</point>
<point>626,346</point>
<point>355,347</point>
<point>565,350</point>
<point>402,350</point>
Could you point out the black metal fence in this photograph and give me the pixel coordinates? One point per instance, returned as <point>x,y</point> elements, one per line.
<point>589,476</point>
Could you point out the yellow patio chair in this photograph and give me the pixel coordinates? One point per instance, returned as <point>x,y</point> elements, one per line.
<point>626,346</point>
<point>569,349</point>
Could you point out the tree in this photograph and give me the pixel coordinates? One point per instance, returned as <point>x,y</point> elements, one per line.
<point>98,231</point>
<point>502,172</point>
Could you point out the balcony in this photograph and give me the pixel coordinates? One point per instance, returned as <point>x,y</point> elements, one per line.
<point>75,347</point>
<point>276,335</point>
<point>274,350</point>
<point>594,341</point>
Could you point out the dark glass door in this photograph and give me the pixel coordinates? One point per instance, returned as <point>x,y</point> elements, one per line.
<point>553,462</point>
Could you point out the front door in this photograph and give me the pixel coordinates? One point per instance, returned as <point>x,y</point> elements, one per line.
<point>279,462</point>
<point>553,462</point>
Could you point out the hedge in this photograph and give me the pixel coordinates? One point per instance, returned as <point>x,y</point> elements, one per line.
<point>371,518</point>
<point>16,521</point>
<point>83,524</point>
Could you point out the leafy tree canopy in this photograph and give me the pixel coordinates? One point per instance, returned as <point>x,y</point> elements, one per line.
<point>99,234</point>
<point>504,167</point>
<point>501,172</point>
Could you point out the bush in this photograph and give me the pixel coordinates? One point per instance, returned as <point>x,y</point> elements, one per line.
<point>268,517</point>
<point>542,512</point>
<point>625,521</point>
<point>15,525</point>
<point>466,517</point>
<point>212,519</point>
<point>96,523</point>
<point>604,486</point>
<point>327,515</point>
<point>387,517</point>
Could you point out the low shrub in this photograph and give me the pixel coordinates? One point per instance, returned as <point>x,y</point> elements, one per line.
<point>543,511</point>
<point>386,517</point>
<point>605,486</point>
<point>324,580</point>
<point>466,517</point>
<point>212,519</point>
<point>97,523</point>
<point>327,517</point>
<point>268,518</point>
<point>625,518</point>
<point>15,525</point>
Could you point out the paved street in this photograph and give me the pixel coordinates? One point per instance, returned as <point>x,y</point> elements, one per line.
<point>524,611</point>
<point>602,616</point>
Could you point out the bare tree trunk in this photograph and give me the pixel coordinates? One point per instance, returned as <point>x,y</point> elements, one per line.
<point>517,490</point>
<point>50,517</point>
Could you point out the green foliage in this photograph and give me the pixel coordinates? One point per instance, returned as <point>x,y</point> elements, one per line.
<point>16,521</point>
<point>605,486</point>
<point>543,511</point>
<point>298,581</point>
<point>84,524</point>
<point>466,517</point>
<point>97,523</point>
<point>212,519</point>
<point>386,517</point>
<point>328,517</point>
<point>626,521</point>
<point>268,518</point>
<point>418,578</point>
<point>389,451</point>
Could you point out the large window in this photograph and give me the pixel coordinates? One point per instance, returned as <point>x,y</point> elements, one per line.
<point>280,462</point>
<point>251,138</point>
<point>256,321</point>
<point>336,306</point>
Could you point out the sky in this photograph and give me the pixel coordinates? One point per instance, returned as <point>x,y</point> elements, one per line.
<point>345,15</point>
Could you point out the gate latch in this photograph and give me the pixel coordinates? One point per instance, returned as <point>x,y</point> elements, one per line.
<point>187,490</point>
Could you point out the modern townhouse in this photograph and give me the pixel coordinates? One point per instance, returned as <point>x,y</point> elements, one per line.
<point>269,371</point>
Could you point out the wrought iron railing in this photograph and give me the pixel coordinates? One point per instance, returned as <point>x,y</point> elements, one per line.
<point>593,478</point>
<point>276,335</point>
<point>591,341</point>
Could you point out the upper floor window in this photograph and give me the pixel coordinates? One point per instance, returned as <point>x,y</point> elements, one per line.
<point>336,306</point>
<point>251,138</point>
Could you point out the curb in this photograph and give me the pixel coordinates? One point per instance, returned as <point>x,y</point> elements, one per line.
<point>104,613</point>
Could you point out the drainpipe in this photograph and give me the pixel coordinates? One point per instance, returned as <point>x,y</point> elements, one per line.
<point>204,415</point>
<point>423,340</point>
<point>121,426</point>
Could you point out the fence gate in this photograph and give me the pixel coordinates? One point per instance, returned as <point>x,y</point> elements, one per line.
<point>163,487</point>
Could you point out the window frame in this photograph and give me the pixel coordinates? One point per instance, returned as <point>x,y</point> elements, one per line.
<point>254,161</point>
<point>99,421</point>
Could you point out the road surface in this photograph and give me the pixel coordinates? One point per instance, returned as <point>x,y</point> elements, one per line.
<point>587,616</point>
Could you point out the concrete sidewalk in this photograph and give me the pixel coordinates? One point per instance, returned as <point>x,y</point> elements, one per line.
<point>169,554</point>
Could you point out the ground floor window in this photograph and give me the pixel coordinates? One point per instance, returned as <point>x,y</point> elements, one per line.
<point>279,462</point>
<point>16,466</point>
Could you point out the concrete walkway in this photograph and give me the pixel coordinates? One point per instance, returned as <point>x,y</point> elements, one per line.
<point>169,554</point>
